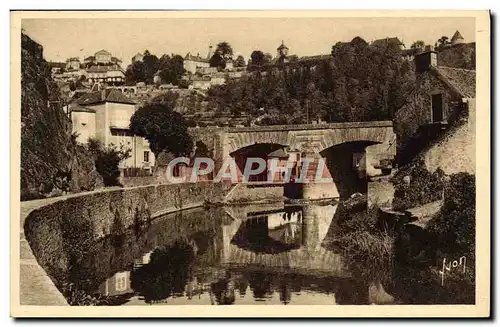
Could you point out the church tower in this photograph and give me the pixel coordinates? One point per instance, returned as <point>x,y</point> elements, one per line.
<point>209,52</point>
<point>282,50</point>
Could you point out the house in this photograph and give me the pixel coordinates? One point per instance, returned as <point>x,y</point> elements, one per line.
<point>191,63</point>
<point>56,67</point>
<point>105,115</point>
<point>88,60</point>
<point>117,284</point>
<point>137,57</point>
<point>439,98</point>
<point>206,70</point>
<point>218,79</point>
<point>73,63</point>
<point>229,64</point>
<point>201,83</point>
<point>102,57</point>
<point>110,74</point>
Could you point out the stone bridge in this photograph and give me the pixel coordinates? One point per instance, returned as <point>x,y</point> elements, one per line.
<point>315,137</point>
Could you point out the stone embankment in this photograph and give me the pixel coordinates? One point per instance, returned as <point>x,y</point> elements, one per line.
<point>50,225</point>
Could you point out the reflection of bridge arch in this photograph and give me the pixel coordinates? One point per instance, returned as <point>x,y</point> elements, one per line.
<point>310,257</point>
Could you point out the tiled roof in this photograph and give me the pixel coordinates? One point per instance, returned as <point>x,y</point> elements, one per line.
<point>462,80</point>
<point>103,52</point>
<point>189,56</point>
<point>78,108</point>
<point>89,58</point>
<point>456,36</point>
<point>57,64</point>
<point>111,95</point>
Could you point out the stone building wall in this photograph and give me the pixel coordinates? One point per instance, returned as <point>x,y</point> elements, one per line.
<point>417,111</point>
<point>456,151</point>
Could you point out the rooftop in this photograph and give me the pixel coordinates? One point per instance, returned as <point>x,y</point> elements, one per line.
<point>461,80</point>
<point>282,46</point>
<point>197,58</point>
<point>457,36</point>
<point>78,108</point>
<point>104,52</point>
<point>110,95</point>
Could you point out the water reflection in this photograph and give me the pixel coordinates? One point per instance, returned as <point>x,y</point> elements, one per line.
<point>266,254</point>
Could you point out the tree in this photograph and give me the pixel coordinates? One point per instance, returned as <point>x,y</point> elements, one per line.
<point>135,73</point>
<point>257,57</point>
<point>268,58</point>
<point>107,160</point>
<point>217,61</point>
<point>418,44</point>
<point>165,129</point>
<point>171,68</point>
<point>442,42</point>
<point>151,63</point>
<point>225,50</point>
<point>239,62</point>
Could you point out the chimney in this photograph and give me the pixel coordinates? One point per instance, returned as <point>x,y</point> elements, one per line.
<point>425,60</point>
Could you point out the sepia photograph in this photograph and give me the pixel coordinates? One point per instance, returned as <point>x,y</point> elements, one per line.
<point>311,163</point>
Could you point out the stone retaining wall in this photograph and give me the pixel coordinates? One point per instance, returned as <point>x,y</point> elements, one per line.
<point>78,221</point>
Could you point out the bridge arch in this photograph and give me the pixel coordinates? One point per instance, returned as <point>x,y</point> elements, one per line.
<point>367,136</point>
<point>244,139</point>
<point>257,150</point>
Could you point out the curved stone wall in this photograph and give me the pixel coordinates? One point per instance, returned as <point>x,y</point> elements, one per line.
<point>78,220</point>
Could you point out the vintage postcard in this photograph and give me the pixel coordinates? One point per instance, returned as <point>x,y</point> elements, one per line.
<point>204,163</point>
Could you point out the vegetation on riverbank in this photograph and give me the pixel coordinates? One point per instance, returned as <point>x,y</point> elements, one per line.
<point>454,227</point>
<point>367,249</point>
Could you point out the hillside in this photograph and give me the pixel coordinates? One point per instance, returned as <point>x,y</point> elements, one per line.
<point>358,82</point>
<point>51,161</point>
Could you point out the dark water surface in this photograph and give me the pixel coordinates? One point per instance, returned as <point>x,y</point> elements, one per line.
<point>261,254</point>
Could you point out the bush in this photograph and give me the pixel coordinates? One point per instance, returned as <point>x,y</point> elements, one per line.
<point>454,227</point>
<point>107,160</point>
<point>367,249</point>
<point>423,186</point>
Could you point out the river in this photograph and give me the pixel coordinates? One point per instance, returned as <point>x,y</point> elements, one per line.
<point>253,254</point>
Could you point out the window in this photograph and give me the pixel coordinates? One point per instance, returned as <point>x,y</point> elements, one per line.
<point>146,156</point>
<point>121,284</point>
<point>437,108</point>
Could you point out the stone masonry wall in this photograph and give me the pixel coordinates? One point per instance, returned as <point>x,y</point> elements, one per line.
<point>456,151</point>
<point>91,216</point>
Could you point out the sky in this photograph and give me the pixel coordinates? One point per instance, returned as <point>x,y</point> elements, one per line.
<point>124,37</point>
